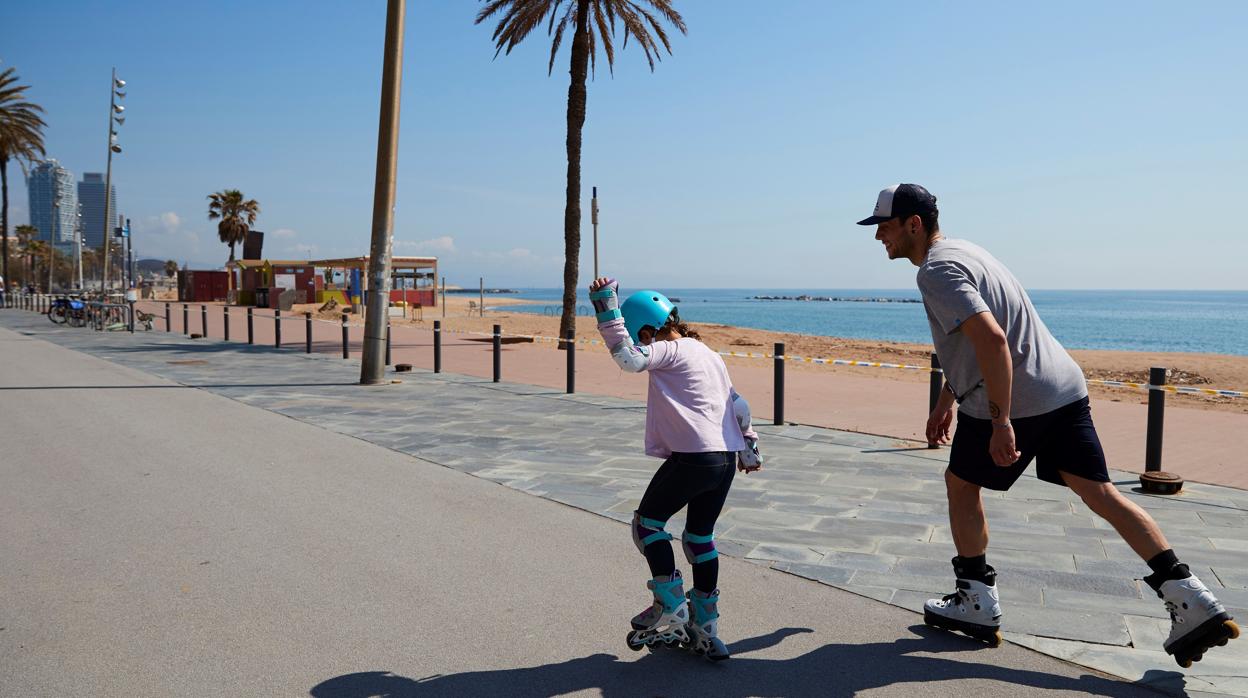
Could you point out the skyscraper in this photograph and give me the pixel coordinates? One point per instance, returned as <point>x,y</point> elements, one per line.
<point>53,203</point>
<point>91,194</point>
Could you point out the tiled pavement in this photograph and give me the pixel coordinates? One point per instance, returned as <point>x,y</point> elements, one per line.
<point>857,512</point>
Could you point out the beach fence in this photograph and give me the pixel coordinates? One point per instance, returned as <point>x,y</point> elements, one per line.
<point>1153,480</point>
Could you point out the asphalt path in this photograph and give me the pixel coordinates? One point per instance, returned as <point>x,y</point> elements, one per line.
<point>159,540</point>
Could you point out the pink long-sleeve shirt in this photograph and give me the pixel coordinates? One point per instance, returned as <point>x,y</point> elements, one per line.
<point>689,403</point>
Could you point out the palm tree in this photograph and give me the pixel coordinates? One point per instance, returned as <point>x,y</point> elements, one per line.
<point>171,268</point>
<point>36,252</point>
<point>236,213</point>
<point>25,234</point>
<point>21,139</point>
<point>593,23</point>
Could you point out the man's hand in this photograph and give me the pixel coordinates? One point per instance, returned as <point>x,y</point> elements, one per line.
<point>938,424</point>
<point>748,459</point>
<point>1002,447</point>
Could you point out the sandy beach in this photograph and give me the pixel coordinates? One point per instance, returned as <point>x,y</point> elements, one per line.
<point>1200,370</point>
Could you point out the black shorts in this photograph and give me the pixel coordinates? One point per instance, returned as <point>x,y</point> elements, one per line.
<point>1062,440</point>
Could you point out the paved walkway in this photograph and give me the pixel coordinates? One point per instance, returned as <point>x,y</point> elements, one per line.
<point>1200,445</point>
<point>861,513</point>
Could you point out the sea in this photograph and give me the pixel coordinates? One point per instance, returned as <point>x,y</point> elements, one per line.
<point>1214,322</point>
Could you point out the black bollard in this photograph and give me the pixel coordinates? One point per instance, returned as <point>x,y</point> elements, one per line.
<point>1154,479</point>
<point>186,319</point>
<point>251,336</point>
<point>346,351</point>
<point>307,327</point>
<point>934,385</point>
<point>1156,420</point>
<point>277,327</point>
<point>203,320</point>
<point>498,351</point>
<point>570,340</point>
<point>168,326</point>
<point>387,341</point>
<point>131,304</point>
<point>225,317</point>
<point>437,346</point>
<point>778,391</point>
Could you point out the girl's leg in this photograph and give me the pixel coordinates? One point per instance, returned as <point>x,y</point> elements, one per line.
<point>665,495</point>
<point>704,510</point>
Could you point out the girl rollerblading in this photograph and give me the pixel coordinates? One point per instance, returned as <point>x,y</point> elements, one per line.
<point>700,426</point>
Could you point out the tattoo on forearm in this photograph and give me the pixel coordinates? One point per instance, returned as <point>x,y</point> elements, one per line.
<point>993,409</point>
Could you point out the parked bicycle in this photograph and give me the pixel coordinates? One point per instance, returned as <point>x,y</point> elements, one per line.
<point>68,311</point>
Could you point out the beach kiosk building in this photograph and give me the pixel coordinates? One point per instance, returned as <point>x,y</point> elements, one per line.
<point>261,282</point>
<point>413,280</point>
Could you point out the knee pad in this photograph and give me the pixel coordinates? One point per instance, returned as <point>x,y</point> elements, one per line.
<point>698,548</point>
<point>647,531</point>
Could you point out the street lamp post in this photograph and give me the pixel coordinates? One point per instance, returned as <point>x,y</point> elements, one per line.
<point>52,235</point>
<point>115,112</point>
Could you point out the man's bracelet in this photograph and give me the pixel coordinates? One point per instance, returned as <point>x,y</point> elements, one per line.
<point>1005,425</point>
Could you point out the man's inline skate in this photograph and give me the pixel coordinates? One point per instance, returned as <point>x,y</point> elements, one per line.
<point>973,609</point>
<point>665,622</point>
<point>1198,621</point>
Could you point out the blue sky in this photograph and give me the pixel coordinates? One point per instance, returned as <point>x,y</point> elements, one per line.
<point>1088,145</point>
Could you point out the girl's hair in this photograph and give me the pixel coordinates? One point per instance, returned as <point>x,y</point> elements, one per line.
<point>675,323</point>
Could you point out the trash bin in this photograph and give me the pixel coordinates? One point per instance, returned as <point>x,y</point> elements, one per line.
<point>262,297</point>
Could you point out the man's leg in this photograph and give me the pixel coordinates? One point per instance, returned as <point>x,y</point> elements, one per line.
<point>966,516</point>
<point>1132,523</point>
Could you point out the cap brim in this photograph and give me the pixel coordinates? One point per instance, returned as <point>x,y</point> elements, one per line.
<point>873,220</point>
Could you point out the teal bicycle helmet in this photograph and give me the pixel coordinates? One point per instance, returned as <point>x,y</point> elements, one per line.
<point>646,309</point>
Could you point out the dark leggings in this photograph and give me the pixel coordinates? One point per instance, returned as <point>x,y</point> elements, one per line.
<point>701,481</point>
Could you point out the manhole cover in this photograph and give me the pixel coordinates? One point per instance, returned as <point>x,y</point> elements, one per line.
<point>188,362</point>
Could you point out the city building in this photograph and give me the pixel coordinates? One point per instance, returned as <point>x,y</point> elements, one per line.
<point>91,195</point>
<point>53,203</point>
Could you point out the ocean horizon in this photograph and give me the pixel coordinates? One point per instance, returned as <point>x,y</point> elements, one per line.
<point>1210,322</point>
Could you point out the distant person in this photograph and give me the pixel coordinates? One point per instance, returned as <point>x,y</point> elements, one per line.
<point>1021,397</point>
<point>701,427</point>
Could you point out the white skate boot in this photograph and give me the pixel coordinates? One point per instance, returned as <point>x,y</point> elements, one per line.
<point>1198,621</point>
<point>663,623</point>
<point>974,609</point>
<point>704,626</point>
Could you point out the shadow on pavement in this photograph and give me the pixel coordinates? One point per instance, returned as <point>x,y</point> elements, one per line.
<point>831,670</point>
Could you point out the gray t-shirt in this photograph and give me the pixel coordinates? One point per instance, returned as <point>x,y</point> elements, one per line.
<point>959,279</point>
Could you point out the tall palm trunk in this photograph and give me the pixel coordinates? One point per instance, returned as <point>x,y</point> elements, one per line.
<point>572,208</point>
<point>4,218</point>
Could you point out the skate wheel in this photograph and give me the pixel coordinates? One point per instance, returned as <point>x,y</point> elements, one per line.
<point>1186,663</point>
<point>632,642</point>
<point>1232,629</point>
<point>994,640</point>
<point>1222,642</point>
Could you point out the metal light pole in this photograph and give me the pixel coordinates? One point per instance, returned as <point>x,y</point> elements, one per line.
<point>115,112</point>
<point>56,215</point>
<point>372,366</point>
<point>78,247</point>
<point>593,213</point>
